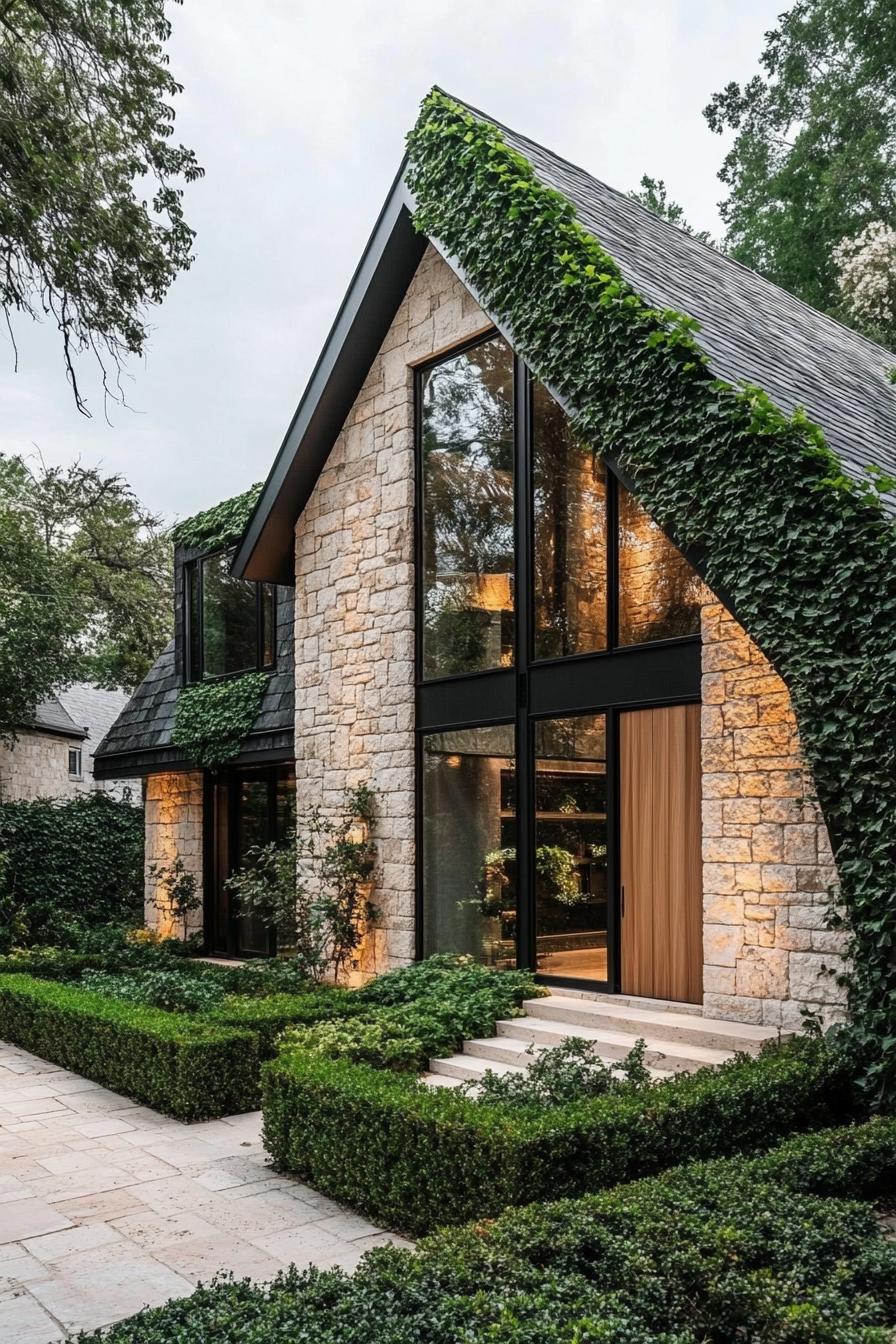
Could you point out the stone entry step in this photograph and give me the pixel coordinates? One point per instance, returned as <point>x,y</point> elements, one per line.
<point>678,1039</point>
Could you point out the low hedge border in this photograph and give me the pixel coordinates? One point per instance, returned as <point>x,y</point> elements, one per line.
<point>432,1157</point>
<point>188,1067</point>
<point>761,1248</point>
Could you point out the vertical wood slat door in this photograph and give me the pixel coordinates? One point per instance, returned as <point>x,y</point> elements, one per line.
<point>660,853</point>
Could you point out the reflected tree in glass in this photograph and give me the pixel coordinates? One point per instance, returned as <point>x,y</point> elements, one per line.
<point>468,543</point>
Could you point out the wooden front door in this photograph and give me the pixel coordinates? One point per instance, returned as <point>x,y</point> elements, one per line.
<point>660,859</point>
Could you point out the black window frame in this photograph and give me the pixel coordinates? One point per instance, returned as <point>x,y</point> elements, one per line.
<point>193,572</point>
<point>606,681</point>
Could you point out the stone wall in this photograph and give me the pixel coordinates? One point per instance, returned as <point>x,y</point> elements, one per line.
<point>173,811</point>
<point>767,859</point>
<point>36,766</point>
<point>354,613</point>
<point>768,865</point>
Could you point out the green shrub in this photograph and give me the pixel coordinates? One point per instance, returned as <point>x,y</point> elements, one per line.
<point>562,1074</point>
<point>738,1249</point>
<point>188,1067</point>
<point>168,989</point>
<point>68,866</point>
<point>268,1017</point>
<point>434,1157</point>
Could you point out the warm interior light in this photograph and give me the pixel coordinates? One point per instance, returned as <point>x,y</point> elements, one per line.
<point>453,761</point>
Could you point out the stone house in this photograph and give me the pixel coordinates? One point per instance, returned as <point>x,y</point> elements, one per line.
<point>52,756</point>
<point>583,763</point>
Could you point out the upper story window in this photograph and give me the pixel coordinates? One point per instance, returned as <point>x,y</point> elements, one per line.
<point>600,574</point>
<point>467,448</point>
<point>231,623</point>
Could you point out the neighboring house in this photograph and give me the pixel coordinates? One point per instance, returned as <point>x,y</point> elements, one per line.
<point>583,763</point>
<point>52,757</point>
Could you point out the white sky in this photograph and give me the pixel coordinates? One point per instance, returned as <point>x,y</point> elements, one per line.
<point>298,111</point>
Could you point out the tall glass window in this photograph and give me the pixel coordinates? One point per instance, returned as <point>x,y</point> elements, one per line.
<point>570,535</point>
<point>469,843</point>
<point>659,592</point>
<point>232,622</point>
<point>468,543</point>
<point>571,847</point>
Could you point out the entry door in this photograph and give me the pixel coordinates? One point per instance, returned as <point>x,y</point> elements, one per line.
<point>660,860</point>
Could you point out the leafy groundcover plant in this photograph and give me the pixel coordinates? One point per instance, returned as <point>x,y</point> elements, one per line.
<point>774,1249</point>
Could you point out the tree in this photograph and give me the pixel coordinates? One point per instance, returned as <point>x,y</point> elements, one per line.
<point>38,621</point>
<point>654,196</point>
<point>86,576</point>
<point>814,155</point>
<point>867,280</point>
<point>85,125</point>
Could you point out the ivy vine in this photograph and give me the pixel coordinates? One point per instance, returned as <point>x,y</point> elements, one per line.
<point>221,525</point>
<point>212,718</point>
<point>805,555</point>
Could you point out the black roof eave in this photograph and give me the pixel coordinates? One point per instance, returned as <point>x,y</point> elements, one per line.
<point>267,748</point>
<point>378,285</point>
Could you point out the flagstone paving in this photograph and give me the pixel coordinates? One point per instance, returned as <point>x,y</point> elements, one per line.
<point>107,1206</point>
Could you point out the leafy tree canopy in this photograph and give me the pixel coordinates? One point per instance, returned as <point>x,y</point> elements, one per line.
<point>814,155</point>
<point>85,135</point>
<point>655,197</point>
<point>85,574</point>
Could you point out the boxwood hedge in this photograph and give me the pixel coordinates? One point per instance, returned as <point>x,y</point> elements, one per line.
<point>186,1066</point>
<point>742,1248</point>
<point>432,1157</point>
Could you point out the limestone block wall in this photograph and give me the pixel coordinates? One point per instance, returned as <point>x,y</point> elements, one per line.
<point>36,766</point>
<point>173,812</point>
<point>768,866</point>
<point>354,600</point>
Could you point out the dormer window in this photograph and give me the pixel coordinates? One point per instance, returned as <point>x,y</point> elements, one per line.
<point>231,623</point>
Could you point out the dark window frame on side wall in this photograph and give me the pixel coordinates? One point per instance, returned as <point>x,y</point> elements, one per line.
<point>605,681</point>
<point>193,631</point>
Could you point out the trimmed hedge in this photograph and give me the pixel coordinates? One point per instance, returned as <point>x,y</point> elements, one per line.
<point>268,1017</point>
<point>432,1157</point>
<point>742,1248</point>
<point>186,1066</point>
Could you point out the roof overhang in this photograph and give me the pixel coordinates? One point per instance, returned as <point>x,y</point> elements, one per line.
<point>384,272</point>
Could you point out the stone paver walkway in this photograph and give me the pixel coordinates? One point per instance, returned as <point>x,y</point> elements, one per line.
<point>107,1206</point>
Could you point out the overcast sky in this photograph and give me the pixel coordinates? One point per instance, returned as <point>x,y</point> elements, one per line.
<point>297,111</point>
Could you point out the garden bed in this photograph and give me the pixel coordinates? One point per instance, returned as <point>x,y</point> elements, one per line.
<point>433,1157</point>
<point>188,1037</point>
<point>766,1248</point>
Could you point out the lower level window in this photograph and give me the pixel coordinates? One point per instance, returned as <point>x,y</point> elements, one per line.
<point>74,762</point>
<point>469,843</point>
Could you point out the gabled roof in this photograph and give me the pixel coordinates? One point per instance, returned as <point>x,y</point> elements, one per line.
<point>752,331</point>
<point>51,716</point>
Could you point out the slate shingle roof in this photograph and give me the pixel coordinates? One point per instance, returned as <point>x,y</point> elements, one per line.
<point>140,738</point>
<point>752,330</point>
<point>51,716</point>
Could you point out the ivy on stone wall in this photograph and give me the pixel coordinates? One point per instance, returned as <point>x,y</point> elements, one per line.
<point>805,556</point>
<point>221,525</point>
<point>212,718</point>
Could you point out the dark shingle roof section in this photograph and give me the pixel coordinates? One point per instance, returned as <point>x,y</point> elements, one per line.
<point>140,739</point>
<point>51,716</point>
<point>752,330</point>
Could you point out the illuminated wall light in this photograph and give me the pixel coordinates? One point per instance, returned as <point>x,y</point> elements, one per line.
<point>453,761</point>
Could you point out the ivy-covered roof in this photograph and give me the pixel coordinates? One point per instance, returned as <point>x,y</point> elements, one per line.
<point>221,525</point>
<point>751,330</point>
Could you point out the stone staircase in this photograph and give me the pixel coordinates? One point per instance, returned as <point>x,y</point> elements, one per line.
<point>677,1036</point>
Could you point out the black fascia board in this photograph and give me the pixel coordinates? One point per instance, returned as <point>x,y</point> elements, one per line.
<point>377,288</point>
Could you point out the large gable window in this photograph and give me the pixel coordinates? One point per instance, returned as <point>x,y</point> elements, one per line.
<point>231,622</point>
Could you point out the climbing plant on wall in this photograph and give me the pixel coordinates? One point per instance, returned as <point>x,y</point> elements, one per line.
<point>212,718</point>
<point>805,555</point>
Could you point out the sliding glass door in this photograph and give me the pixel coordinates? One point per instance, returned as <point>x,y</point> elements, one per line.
<point>548,603</point>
